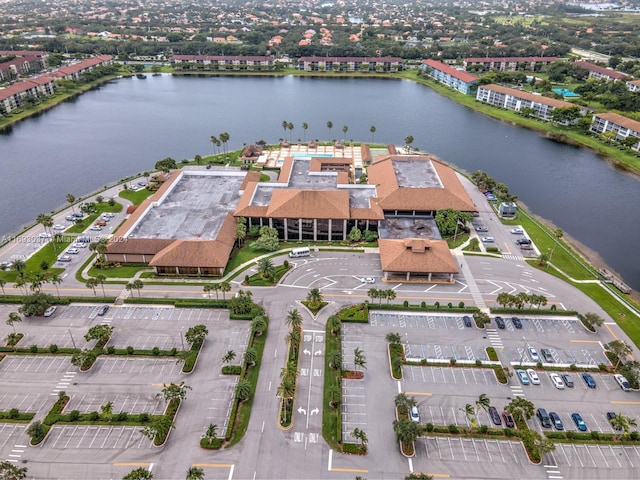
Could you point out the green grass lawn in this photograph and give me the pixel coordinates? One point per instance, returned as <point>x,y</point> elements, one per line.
<point>136,197</point>
<point>124,271</point>
<point>331,428</point>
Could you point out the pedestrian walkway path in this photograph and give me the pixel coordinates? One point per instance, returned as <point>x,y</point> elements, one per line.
<point>468,277</point>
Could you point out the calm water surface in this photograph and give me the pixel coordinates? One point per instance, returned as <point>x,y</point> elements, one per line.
<point>126,126</point>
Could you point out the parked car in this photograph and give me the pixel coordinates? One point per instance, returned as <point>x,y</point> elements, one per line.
<point>546,354</point>
<point>516,322</point>
<point>623,382</point>
<point>50,311</point>
<point>70,218</point>
<point>555,419</point>
<point>491,198</point>
<point>495,416</point>
<point>568,381</point>
<point>103,309</point>
<point>73,251</point>
<point>557,381</point>
<point>523,241</point>
<point>517,231</point>
<point>77,215</point>
<point>588,379</point>
<point>488,239</point>
<point>611,417</point>
<point>577,419</point>
<point>59,227</point>
<point>481,228</point>
<point>64,258</point>
<point>95,228</point>
<point>83,240</point>
<point>533,353</point>
<point>543,416</point>
<point>500,323</point>
<point>368,280</point>
<point>101,223</point>
<point>522,375</point>
<point>467,321</point>
<point>80,245</point>
<point>109,214</point>
<point>414,414</point>
<point>533,376</point>
<point>508,420</point>
<point>525,246</point>
<point>44,235</point>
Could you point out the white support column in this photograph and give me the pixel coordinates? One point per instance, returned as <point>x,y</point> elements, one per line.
<point>286,230</point>
<point>330,225</point>
<point>315,229</point>
<point>299,229</point>
<point>344,230</point>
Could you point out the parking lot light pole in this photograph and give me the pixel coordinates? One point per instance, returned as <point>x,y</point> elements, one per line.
<point>72,341</point>
<point>182,338</point>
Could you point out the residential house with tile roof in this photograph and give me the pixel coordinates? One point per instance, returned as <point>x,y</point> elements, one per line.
<point>601,73</point>
<point>461,81</point>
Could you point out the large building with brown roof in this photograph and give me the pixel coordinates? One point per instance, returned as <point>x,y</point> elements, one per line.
<point>188,227</point>
<point>623,127</point>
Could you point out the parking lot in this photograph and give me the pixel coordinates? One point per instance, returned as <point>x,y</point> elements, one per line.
<point>97,437</point>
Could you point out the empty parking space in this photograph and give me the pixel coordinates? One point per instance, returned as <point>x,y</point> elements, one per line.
<point>146,342</point>
<point>145,367</point>
<point>472,450</point>
<point>35,364</point>
<point>221,402</point>
<point>12,433</point>
<point>22,401</point>
<point>353,409</point>
<point>446,375</point>
<point>608,457</point>
<point>149,403</point>
<point>97,437</point>
<point>439,351</point>
<point>415,320</point>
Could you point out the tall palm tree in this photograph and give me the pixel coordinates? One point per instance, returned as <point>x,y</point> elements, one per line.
<point>372,130</point>
<point>293,339</point>
<point>56,280</point>
<point>483,402</point>
<point>71,200</point>
<point>225,287</point>
<point>470,413</point>
<point>13,318</point>
<point>46,221</point>
<point>329,126</point>
<point>207,289</point>
<point>345,129</point>
<point>243,390</point>
<point>285,125</point>
<point>3,282</point>
<point>266,268</point>
<point>214,141</point>
<point>101,279</point>
<point>290,127</point>
<point>92,283</point>
<point>138,285</point>
<point>304,132</point>
<point>286,391</point>
<point>293,319</point>
<point>19,266</point>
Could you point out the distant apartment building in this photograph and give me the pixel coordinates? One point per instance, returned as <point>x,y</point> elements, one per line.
<point>622,126</point>
<point>510,64</point>
<point>19,67</point>
<point>633,85</point>
<point>461,81</point>
<point>351,64</point>
<point>512,99</point>
<point>76,70</point>
<point>601,73</point>
<point>222,62</point>
<point>13,97</point>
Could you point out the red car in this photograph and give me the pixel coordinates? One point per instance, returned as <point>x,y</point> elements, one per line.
<point>508,420</point>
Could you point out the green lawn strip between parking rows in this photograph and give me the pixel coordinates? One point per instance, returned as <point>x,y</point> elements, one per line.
<point>239,422</point>
<point>102,207</point>
<point>15,416</point>
<point>293,357</point>
<point>332,417</point>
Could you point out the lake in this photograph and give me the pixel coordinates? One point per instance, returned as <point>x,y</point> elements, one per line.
<point>125,126</point>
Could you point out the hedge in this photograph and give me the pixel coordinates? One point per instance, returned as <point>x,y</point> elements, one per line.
<point>532,311</point>
<point>420,308</point>
<point>354,313</point>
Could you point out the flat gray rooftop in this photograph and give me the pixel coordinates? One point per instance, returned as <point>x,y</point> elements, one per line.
<point>416,174</point>
<point>360,197</point>
<point>303,180</point>
<point>394,228</point>
<point>194,208</point>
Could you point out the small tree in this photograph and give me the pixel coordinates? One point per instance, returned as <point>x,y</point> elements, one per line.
<point>258,324</point>
<point>618,349</point>
<point>140,473</point>
<point>211,434</point>
<point>196,334</point>
<point>250,356</point>
<point>591,320</point>
<point>13,318</point>
<point>9,471</point>
<point>359,358</point>
<point>229,356</point>
<point>195,473</point>
<point>107,411</point>
<point>355,235</point>
<point>334,324</point>
<point>243,390</point>
<point>175,391</point>
<point>393,338</point>
<point>293,319</point>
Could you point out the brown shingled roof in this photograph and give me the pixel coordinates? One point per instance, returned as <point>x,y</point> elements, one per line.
<point>621,120</point>
<point>417,255</point>
<point>286,203</point>
<point>394,197</point>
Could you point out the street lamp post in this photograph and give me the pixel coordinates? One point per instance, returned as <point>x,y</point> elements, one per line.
<point>182,338</point>
<point>72,340</point>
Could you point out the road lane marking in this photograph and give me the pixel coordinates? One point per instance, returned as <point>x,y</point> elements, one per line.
<point>584,341</point>
<point>131,464</point>
<point>212,465</point>
<point>354,470</point>
<point>425,394</point>
<point>621,402</point>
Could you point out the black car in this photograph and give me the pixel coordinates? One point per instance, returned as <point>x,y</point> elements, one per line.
<point>523,241</point>
<point>568,381</point>
<point>467,321</point>
<point>500,323</point>
<point>508,420</point>
<point>103,309</point>
<point>495,416</point>
<point>516,322</point>
<point>555,419</point>
<point>611,416</point>
<point>547,355</point>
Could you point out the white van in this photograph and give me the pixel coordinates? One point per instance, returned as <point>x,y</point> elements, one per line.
<point>300,252</point>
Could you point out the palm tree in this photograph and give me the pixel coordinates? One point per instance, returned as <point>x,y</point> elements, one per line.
<point>373,293</point>
<point>329,126</point>
<point>71,200</point>
<point>3,282</point>
<point>290,127</point>
<point>618,349</point>
<point>286,391</point>
<point>214,142</point>
<point>243,390</point>
<point>345,129</point>
<point>293,339</point>
<point>258,324</point>
<point>56,280</point>
<point>359,359</point>
<point>293,319</point>
<point>470,413</point>
<point>229,356</point>
<point>334,324</point>
<point>266,268</point>
<point>304,132</point>
<point>623,423</point>
<point>334,392</point>
<point>393,338</point>
<point>314,296</point>
<point>138,285</point>
<point>45,220</point>
<point>483,402</point>
<point>211,434</point>
<point>92,283</point>
<point>207,289</point>
<point>289,372</point>
<point>390,294</point>
<point>19,266</point>
<point>13,318</point>
<point>406,431</point>
<point>225,287</point>
<point>407,143</point>
<point>195,473</point>
<point>372,130</point>
<point>335,359</point>
<point>101,279</point>
<point>175,391</point>
<point>107,411</point>
<point>285,125</point>
<point>250,356</point>
<point>215,286</point>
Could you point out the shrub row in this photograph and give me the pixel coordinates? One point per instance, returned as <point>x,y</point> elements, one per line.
<point>423,307</point>
<point>354,313</point>
<point>535,311</point>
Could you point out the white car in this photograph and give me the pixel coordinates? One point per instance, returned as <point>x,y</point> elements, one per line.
<point>73,251</point>
<point>59,227</point>
<point>481,228</point>
<point>50,311</point>
<point>557,381</point>
<point>533,376</point>
<point>44,235</point>
<point>517,231</point>
<point>95,228</point>
<point>533,353</point>
<point>368,280</point>
<point>79,245</point>
<point>64,258</point>
<point>488,239</point>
